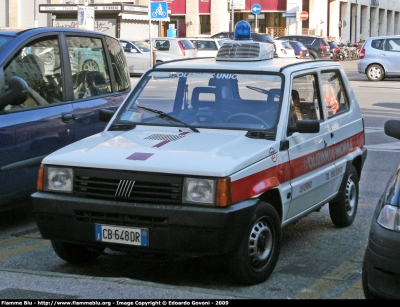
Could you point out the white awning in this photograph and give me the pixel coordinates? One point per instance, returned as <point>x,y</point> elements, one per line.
<point>135,16</point>
<point>139,17</point>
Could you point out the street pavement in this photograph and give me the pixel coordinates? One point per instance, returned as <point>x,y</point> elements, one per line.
<point>23,285</point>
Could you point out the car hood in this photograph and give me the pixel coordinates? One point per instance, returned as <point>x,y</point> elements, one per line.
<point>209,152</point>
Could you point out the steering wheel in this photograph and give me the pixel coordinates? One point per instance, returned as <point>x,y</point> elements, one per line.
<point>236,118</point>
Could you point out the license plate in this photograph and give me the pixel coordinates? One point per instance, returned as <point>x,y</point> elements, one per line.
<point>122,235</point>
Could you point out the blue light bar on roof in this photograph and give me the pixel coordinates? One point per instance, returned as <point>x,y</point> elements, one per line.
<point>243,48</point>
<point>242,30</point>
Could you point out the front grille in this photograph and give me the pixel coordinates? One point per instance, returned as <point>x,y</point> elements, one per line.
<point>128,186</point>
<point>120,219</point>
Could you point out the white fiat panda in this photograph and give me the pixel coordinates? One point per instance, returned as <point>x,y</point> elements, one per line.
<point>209,157</point>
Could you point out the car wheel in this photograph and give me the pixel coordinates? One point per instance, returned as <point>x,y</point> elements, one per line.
<point>312,56</point>
<point>343,207</point>
<point>90,65</point>
<point>74,253</point>
<point>364,278</point>
<point>258,251</point>
<point>375,72</point>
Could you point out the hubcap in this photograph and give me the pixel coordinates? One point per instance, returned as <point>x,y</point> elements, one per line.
<point>351,196</point>
<point>375,73</point>
<point>260,244</point>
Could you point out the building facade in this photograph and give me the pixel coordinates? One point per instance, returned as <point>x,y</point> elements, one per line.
<point>340,20</point>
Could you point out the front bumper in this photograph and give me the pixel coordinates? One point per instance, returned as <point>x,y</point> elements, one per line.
<point>173,229</point>
<point>384,261</point>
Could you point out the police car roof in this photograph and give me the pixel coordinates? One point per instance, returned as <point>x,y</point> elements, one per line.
<point>272,65</point>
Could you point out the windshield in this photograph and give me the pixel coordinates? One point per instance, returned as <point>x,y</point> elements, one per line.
<point>4,41</point>
<point>215,100</point>
<point>142,46</point>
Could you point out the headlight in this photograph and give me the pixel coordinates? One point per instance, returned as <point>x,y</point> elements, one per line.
<point>217,192</point>
<point>389,218</point>
<point>58,179</point>
<point>199,191</point>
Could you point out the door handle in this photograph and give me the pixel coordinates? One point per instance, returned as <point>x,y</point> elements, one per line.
<point>67,117</point>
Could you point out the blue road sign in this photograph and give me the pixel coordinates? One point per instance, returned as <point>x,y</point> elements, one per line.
<point>158,10</point>
<point>256,9</point>
<point>288,15</point>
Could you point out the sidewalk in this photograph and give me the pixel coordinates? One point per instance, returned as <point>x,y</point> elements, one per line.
<point>18,285</point>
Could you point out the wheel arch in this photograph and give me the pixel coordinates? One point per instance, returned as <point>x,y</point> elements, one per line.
<point>273,197</point>
<point>374,63</point>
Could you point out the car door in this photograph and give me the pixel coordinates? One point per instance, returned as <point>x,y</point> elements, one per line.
<point>62,104</point>
<point>37,126</point>
<point>309,155</point>
<point>346,125</point>
<point>97,89</point>
<point>390,56</point>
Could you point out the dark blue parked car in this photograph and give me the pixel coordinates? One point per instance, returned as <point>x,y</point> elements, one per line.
<point>381,263</point>
<point>53,82</point>
<point>300,50</point>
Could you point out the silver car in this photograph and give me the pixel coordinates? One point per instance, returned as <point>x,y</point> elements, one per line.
<point>137,55</point>
<point>380,57</point>
<point>175,45</point>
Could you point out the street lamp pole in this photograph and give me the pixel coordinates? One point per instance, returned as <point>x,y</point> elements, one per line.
<point>355,26</point>
<point>35,14</point>
<point>232,11</point>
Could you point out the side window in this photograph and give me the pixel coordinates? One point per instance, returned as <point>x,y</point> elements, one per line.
<point>38,63</point>
<point>119,66</point>
<point>333,94</point>
<point>90,73</point>
<point>377,44</point>
<point>392,44</point>
<point>304,99</point>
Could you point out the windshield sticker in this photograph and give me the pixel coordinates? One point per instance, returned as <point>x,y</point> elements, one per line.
<point>220,76</point>
<point>141,156</point>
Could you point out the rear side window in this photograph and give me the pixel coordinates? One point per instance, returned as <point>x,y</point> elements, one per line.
<point>90,72</point>
<point>162,45</point>
<point>186,44</point>
<point>333,94</point>
<point>287,45</point>
<point>324,41</point>
<point>205,45</point>
<point>119,66</point>
<point>377,44</point>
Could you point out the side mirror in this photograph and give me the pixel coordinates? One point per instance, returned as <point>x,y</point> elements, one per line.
<point>392,128</point>
<point>305,126</point>
<point>16,94</point>
<point>105,115</point>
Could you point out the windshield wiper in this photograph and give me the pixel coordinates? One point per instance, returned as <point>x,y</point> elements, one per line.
<point>258,89</point>
<point>169,118</point>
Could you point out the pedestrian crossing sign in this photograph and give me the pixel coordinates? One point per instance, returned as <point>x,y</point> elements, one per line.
<point>158,10</point>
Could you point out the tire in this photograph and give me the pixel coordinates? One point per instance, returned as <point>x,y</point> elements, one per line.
<point>312,56</point>
<point>343,208</point>
<point>364,278</point>
<point>375,72</point>
<point>74,253</point>
<point>258,251</point>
